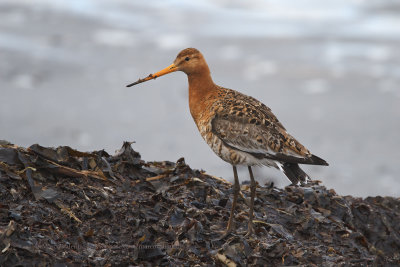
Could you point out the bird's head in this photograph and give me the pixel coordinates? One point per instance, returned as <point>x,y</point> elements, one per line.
<point>189,60</point>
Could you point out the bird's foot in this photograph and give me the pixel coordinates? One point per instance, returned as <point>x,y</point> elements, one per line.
<point>224,234</point>
<point>250,232</point>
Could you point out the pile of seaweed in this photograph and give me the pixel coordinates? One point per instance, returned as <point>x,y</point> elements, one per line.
<point>62,206</point>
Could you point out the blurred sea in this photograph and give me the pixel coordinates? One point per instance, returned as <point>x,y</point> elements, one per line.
<point>330,71</point>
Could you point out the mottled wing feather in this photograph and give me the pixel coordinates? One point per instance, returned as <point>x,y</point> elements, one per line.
<point>246,124</point>
<point>266,111</point>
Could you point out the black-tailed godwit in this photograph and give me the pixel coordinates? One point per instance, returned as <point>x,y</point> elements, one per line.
<point>239,129</point>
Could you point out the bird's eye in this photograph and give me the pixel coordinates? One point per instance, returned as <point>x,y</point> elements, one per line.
<point>187,58</point>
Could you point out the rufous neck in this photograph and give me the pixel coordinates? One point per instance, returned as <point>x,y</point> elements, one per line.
<point>200,82</point>
<point>201,86</point>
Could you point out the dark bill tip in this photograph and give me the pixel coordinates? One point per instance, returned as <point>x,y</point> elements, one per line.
<point>132,84</point>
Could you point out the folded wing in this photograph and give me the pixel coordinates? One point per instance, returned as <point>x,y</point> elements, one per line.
<point>249,126</point>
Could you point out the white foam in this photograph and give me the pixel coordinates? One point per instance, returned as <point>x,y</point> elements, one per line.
<point>336,52</point>
<point>258,69</point>
<point>114,37</point>
<point>173,41</point>
<point>257,18</point>
<point>316,86</point>
<point>24,81</point>
<point>230,52</point>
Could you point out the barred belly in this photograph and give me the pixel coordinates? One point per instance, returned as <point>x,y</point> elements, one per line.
<point>232,156</point>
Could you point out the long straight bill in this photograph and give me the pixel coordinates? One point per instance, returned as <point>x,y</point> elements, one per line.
<point>169,69</point>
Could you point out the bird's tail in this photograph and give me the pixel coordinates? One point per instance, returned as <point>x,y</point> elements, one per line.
<point>294,173</point>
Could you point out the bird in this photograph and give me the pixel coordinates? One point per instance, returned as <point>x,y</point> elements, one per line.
<point>239,129</point>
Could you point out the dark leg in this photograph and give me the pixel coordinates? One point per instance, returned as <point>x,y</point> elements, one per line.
<point>236,189</point>
<point>250,230</point>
